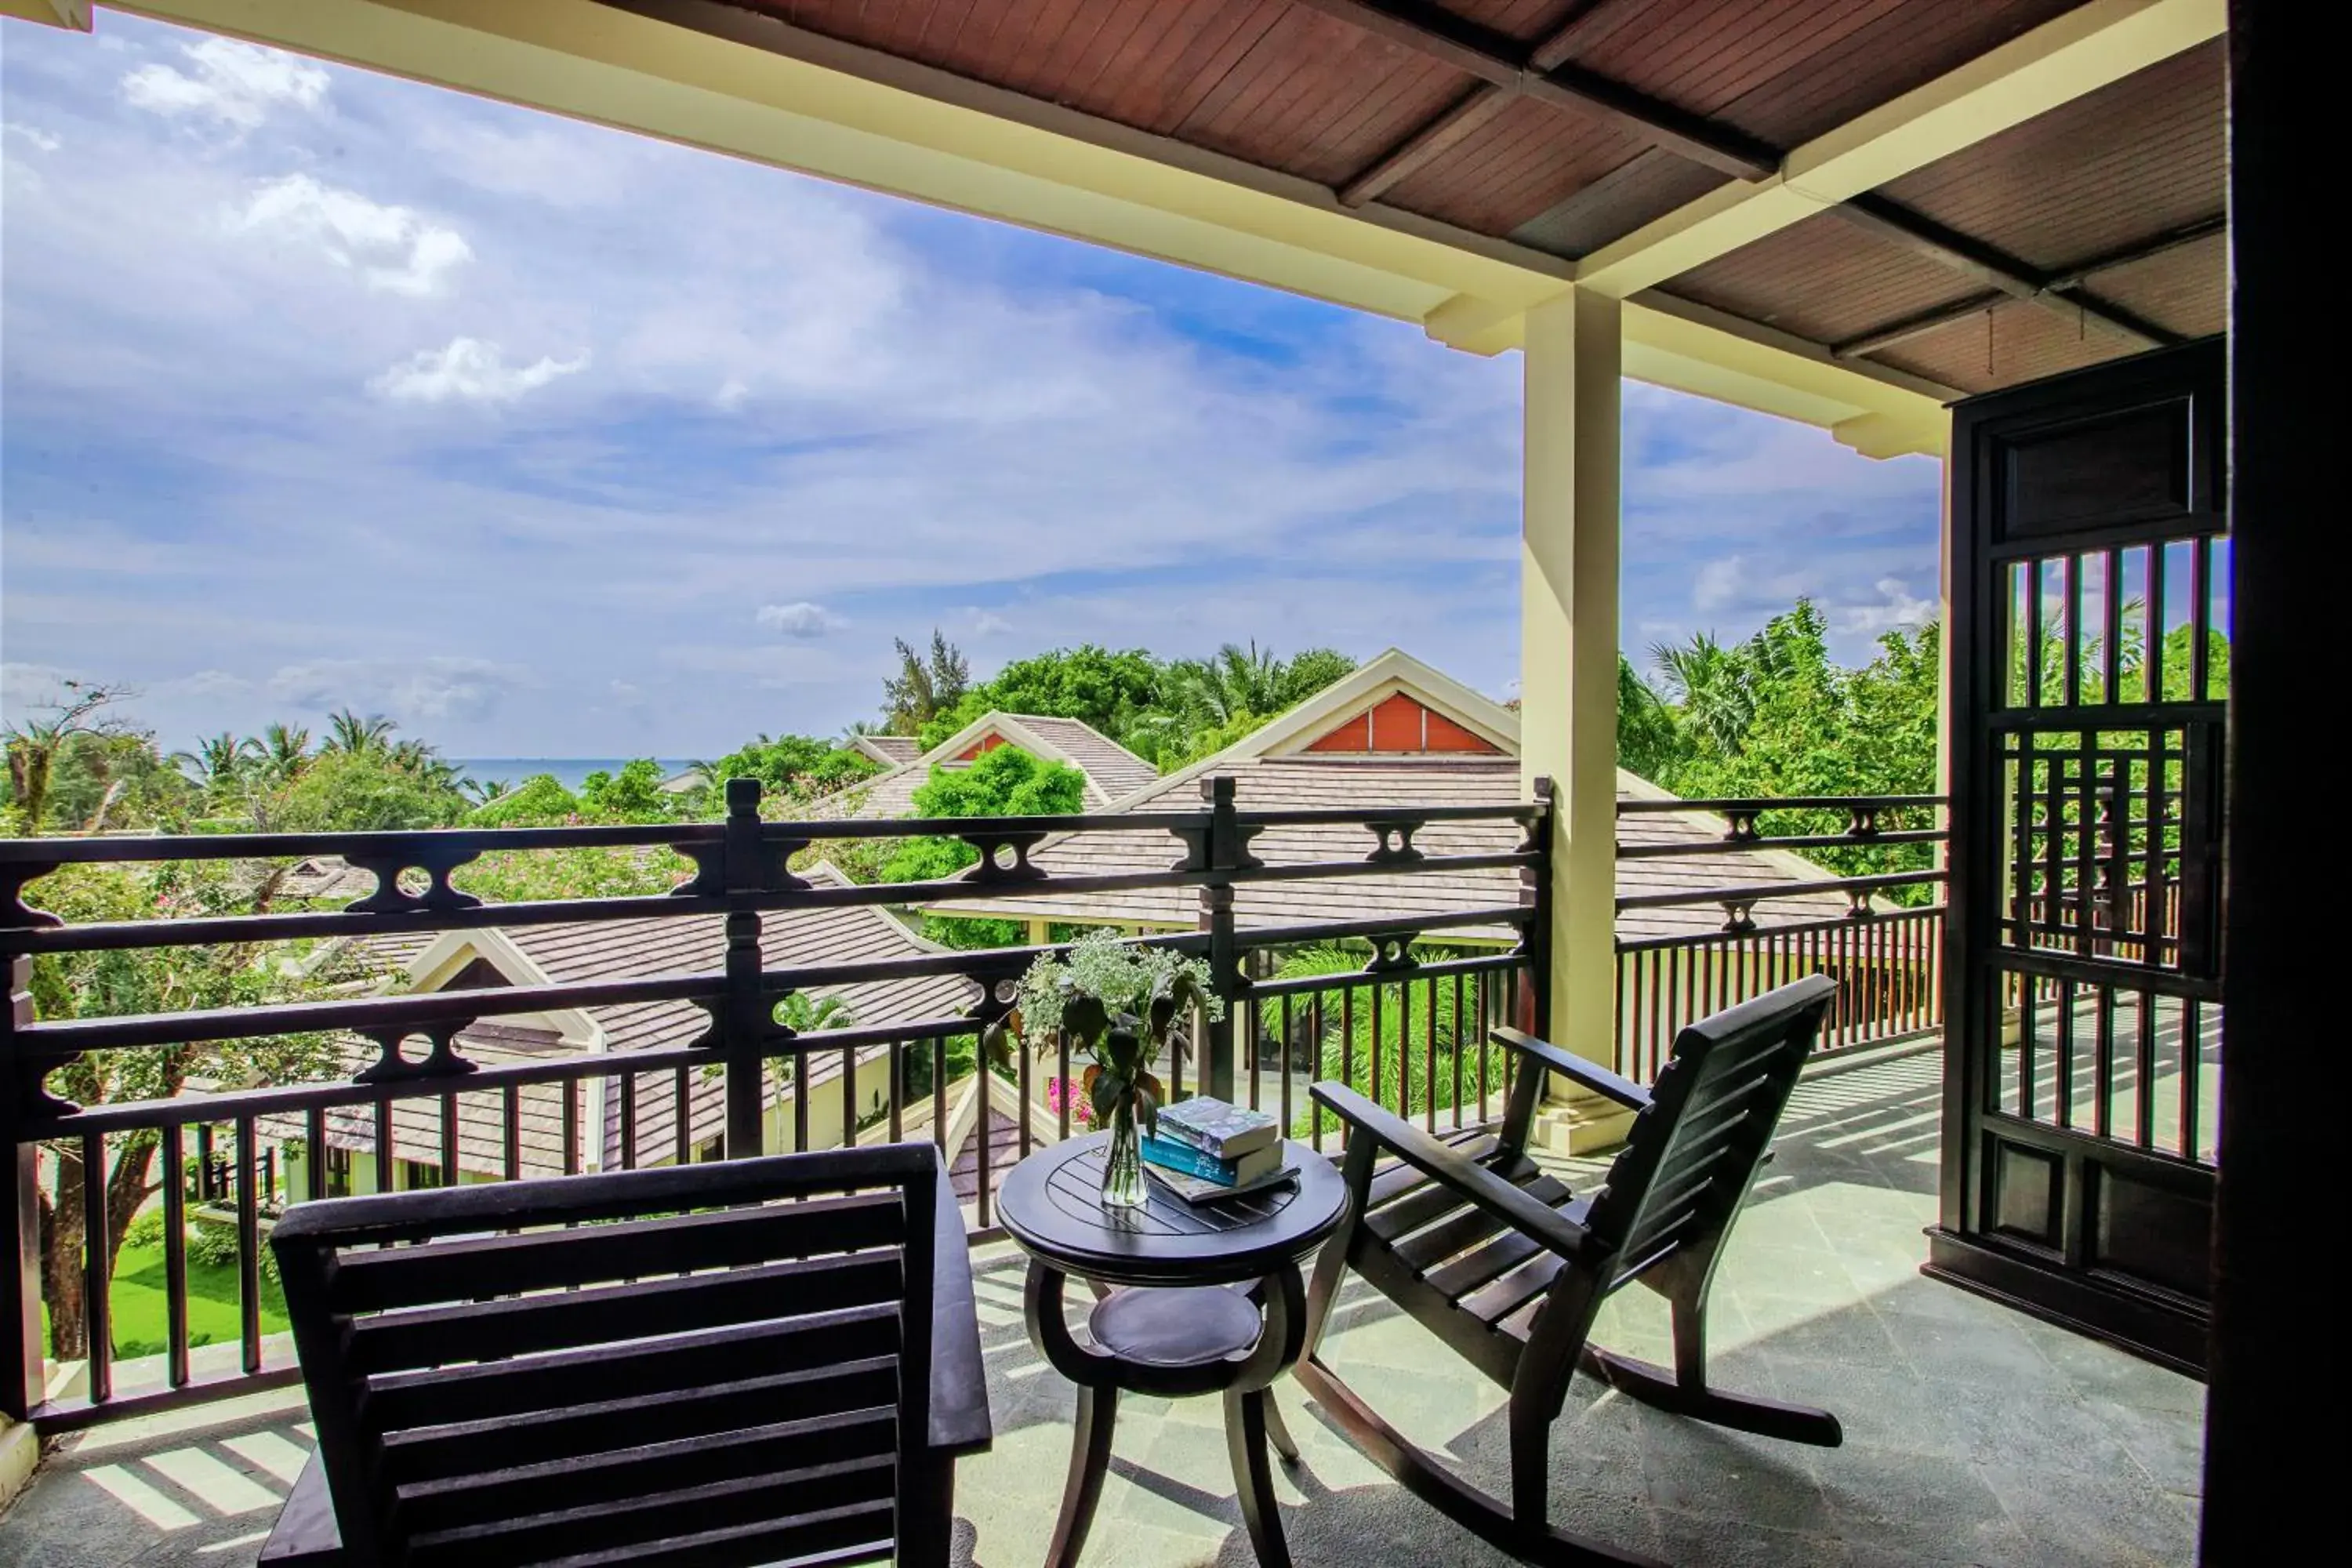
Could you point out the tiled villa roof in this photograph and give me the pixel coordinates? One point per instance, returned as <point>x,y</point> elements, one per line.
<point>890,750</point>
<point>1395,732</point>
<point>1110,769</point>
<point>619,950</point>
<point>1296,782</point>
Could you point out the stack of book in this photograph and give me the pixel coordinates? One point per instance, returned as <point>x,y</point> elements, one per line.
<point>1207,1148</point>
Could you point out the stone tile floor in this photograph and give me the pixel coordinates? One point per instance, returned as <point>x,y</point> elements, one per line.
<point>1974,1435</point>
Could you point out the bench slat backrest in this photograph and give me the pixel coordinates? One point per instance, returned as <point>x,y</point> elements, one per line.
<point>1695,1147</point>
<point>715,1363</point>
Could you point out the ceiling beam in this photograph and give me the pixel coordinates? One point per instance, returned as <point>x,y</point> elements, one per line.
<point>1994,268</point>
<point>1483,102</point>
<point>1508,70</point>
<point>1440,135</point>
<point>2063,59</point>
<point>2060,285</point>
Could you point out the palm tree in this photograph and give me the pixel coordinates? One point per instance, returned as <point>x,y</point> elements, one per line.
<point>284,751</point>
<point>1710,683</point>
<point>218,761</point>
<point>481,791</point>
<point>347,732</point>
<point>1232,682</point>
<point>424,761</point>
<point>806,1015</point>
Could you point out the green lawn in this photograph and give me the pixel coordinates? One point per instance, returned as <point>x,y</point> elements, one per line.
<point>137,1300</point>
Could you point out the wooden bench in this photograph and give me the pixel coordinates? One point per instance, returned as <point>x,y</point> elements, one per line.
<point>730,1364</point>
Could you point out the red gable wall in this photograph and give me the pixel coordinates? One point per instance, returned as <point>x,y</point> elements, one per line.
<point>1400,726</point>
<point>987,742</point>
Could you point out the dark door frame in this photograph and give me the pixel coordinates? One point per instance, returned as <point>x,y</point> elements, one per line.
<point>2081,956</point>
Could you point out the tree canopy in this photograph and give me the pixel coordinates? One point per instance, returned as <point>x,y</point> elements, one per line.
<point>1003,782</point>
<point>794,767</point>
<point>1167,711</point>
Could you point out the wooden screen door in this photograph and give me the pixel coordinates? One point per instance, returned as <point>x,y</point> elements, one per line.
<point>2089,673</point>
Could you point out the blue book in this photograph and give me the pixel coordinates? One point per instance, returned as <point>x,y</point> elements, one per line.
<point>1217,1128</point>
<point>1191,1162</point>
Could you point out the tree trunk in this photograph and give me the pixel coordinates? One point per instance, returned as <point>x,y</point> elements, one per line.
<point>65,1236</point>
<point>62,1232</point>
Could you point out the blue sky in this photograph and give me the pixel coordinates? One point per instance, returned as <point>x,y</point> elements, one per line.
<point>325,389</point>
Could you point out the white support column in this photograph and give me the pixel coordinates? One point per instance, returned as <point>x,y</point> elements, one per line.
<point>1567,670</point>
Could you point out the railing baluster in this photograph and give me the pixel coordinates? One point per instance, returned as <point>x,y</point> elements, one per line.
<point>97,1317</point>
<point>1286,1123</point>
<point>314,1169</point>
<point>1314,1016</point>
<point>850,1096</point>
<point>800,1060</point>
<point>895,1062</point>
<point>449,1139</point>
<point>940,1090</point>
<point>248,1249</point>
<point>1429,1049</point>
<point>176,1252</point>
<point>1460,1043</point>
<point>983,1131</point>
<point>1069,1085</point>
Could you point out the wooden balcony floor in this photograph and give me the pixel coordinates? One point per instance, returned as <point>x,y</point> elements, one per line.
<point>1974,1435</point>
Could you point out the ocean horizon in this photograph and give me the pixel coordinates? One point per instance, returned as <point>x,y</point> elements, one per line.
<point>569,771</point>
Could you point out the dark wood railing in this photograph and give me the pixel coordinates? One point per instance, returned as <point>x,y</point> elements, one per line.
<point>1420,986</point>
<point>1401,1006</point>
<point>1888,961</point>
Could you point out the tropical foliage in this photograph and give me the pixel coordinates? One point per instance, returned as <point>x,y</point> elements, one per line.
<point>1420,1050</point>
<point>99,984</point>
<point>1775,715</point>
<point>1005,782</point>
<point>1167,711</point>
<point>792,768</point>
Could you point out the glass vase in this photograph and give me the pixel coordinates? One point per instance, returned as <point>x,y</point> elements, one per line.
<point>1123,1184</point>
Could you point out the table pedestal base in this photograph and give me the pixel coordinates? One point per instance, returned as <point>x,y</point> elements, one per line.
<point>1175,1342</point>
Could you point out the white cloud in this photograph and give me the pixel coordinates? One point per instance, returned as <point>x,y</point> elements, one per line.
<point>989,624</point>
<point>42,140</point>
<point>420,690</point>
<point>392,248</point>
<point>204,683</point>
<point>1898,609</point>
<point>469,371</point>
<point>237,84</point>
<point>1717,585</point>
<point>799,619</point>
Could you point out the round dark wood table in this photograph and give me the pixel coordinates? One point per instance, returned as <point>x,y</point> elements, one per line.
<point>1190,1301</point>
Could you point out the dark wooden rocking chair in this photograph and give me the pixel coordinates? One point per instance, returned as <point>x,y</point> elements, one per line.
<point>1499,1260</point>
<point>745,1361</point>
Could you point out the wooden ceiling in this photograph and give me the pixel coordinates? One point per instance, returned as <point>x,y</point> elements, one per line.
<point>1561,125</point>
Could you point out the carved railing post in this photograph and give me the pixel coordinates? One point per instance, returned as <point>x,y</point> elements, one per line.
<point>745,1019</point>
<point>22,1375</point>
<point>1227,853</point>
